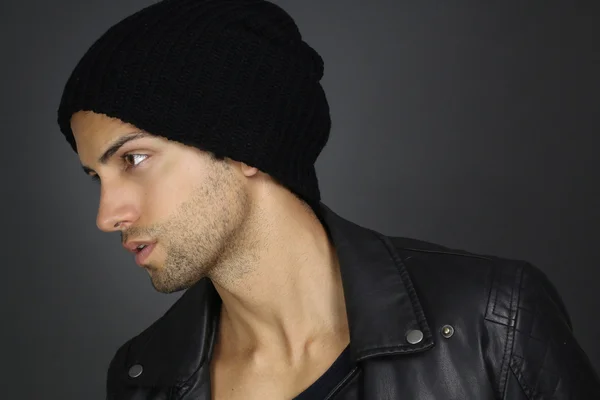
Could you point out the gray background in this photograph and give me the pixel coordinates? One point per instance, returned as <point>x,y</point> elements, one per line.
<point>473,125</point>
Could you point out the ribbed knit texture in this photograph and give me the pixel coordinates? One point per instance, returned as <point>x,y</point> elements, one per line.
<point>232,77</point>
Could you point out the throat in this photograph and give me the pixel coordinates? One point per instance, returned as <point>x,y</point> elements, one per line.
<point>260,373</point>
<point>307,346</point>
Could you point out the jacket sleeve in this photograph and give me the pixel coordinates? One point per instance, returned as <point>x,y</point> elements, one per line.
<point>546,362</point>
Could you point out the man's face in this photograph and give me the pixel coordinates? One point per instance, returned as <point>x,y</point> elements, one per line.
<point>188,205</point>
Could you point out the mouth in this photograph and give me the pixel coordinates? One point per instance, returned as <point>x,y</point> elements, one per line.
<point>142,252</point>
<point>140,248</point>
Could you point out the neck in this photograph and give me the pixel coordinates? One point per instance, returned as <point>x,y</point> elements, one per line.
<point>282,295</point>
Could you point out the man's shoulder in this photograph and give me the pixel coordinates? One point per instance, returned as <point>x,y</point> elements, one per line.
<point>436,258</point>
<point>528,332</point>
<point>411,247</point>
<point>458,282</point>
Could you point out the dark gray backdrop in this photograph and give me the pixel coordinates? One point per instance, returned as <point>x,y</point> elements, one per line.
<point>473,125</point>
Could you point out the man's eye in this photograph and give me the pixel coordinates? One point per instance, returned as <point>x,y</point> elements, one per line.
<point>134,160</point>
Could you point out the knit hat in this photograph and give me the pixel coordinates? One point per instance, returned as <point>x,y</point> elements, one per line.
<point>232,77</point>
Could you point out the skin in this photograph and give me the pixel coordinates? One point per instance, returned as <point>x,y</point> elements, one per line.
<point>283,320</point>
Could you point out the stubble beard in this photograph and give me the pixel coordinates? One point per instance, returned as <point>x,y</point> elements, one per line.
<point>204,230</point>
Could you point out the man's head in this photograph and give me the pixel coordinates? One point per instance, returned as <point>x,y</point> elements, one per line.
<point>183,202</point>
<point>195,79</point>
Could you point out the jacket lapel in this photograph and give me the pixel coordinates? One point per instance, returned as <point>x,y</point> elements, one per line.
<point>381,302</point>
<point>179,343</point>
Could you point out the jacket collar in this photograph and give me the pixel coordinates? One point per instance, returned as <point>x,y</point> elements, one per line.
<point>381,304</point>
<point>381,301</point>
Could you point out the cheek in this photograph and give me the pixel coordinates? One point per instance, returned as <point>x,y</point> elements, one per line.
<point>162,197</point>
<point>166,189</point>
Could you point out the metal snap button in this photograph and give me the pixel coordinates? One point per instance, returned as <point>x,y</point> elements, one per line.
<point>414,336</point>
<point>447,331</point>
<point>135,371</point>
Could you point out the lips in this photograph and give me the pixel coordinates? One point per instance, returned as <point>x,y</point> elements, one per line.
<point>141,249</point>
<point>142,254</point>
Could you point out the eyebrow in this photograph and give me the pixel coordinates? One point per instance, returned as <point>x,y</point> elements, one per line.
<point>114,147</point>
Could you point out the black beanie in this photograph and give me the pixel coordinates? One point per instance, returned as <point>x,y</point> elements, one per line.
<point>232,77</point>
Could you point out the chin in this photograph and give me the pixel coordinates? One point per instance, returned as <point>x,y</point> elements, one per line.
<point>167,286</point>
<point>166,289</point>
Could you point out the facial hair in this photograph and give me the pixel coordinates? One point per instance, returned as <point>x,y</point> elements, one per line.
<point>203,231</point>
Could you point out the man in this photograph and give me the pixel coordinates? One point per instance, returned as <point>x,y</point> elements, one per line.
<point>202,120</point>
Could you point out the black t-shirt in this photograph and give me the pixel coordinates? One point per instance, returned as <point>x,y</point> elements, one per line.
<point>326,382</point>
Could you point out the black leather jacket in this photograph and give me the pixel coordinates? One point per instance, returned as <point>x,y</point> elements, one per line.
<point>426,322</point>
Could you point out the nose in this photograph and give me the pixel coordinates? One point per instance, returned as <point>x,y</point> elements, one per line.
<point>117,209</point>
